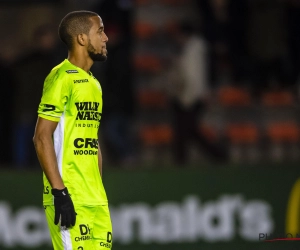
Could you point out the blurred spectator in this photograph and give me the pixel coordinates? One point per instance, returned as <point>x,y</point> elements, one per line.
<point>190,93</point>
<point>117,83</point>
<point>30,71</point>
<point>224,25</point>
<point>6,114</point>
<point>267,43</point>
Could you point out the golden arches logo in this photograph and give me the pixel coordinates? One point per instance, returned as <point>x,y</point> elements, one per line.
<point>293,210</point>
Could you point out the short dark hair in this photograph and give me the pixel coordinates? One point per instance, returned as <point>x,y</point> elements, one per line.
<point>73,24</point>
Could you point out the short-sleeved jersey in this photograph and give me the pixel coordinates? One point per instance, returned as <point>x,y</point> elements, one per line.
<point>73,98</point>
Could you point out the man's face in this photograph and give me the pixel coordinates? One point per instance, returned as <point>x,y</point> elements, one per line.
<point>97,40</point>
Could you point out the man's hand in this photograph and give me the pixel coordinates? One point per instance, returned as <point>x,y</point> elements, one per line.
<point>64,208</point>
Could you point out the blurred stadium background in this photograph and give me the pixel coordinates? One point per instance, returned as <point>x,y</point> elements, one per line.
<point>236,199</point>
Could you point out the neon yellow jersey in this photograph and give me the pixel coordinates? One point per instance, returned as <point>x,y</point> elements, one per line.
<point>73,98</point>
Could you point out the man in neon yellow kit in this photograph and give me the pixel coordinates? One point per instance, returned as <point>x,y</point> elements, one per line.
<point>66,140</point>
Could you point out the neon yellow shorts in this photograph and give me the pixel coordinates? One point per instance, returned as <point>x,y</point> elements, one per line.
<point>92,231</point>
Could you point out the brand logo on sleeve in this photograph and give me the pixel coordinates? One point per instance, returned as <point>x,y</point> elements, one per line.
<point>48,108</point>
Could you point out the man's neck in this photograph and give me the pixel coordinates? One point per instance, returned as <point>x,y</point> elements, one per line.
<point>82,61</point>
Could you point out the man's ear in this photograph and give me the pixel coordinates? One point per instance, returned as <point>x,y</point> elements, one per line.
<point>82,39</point>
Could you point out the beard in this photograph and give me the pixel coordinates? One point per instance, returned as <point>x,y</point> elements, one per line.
<point>96,57</point>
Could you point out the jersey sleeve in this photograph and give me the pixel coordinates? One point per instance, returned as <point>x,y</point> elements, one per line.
<point>56,93</point>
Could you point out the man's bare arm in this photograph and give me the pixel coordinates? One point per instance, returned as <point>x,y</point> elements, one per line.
<point>44,147</point>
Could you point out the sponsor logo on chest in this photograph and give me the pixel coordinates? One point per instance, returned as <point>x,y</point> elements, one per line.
<point>88,111</point>
<point>81,81</point>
